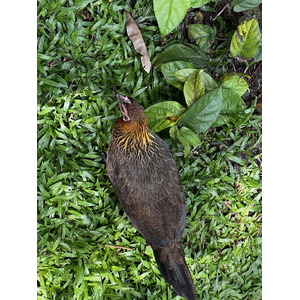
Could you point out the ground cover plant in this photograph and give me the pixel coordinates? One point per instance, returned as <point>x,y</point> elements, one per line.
<point>87,248</point>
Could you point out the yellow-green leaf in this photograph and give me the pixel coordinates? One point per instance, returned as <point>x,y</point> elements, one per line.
<point>235,83</point>
<point>245,40</point>
<point>163,115</point>
<point>193,88</point>
<point>183,74</point>
<point>169,13</point>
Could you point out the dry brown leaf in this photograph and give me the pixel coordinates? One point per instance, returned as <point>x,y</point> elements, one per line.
<point>135,36</point>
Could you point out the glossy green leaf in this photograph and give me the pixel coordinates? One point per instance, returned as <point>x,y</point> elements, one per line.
<point>193,88</point>
<point>231,101</point>
<point>168,69</point>
<point>204,112</point>
<point>203,35</point>
<point>234,83</point>
<point>181,52</point>
<point>232,108</point>
<point>242,5</point>
<point>208,81</point>
<point>245,40</point>
<point>169,13</point>
<point>163,115</point>
<point>190,136</point>
<point>183,74</point>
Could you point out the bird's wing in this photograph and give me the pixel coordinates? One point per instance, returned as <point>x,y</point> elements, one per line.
<point>151,194</point>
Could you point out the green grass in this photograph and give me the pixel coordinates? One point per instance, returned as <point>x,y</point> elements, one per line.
<point>87,248</point>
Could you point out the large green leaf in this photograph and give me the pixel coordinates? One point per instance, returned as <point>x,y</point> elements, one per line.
<point>245,40</point>
<point>190,136</point>
<point>163,115</point>
<point>193,88</point>
<point>169,13</point>
<point>231,101</point>
<point>242,5</point>
<point>204,112</point>
<point>232,108</point>
<point>169,70</point>
<point>183,74</point>
<point>208,81</point>
<point>187,53</point>
<point>204,35</point>
<point>234,83</point>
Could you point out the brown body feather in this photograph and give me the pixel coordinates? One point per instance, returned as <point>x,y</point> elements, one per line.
<point>146,181</point>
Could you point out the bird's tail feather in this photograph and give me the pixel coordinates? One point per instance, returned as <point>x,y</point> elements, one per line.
<point>172,266</point>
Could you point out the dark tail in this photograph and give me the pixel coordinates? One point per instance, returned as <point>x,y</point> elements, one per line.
<point>172,266</point>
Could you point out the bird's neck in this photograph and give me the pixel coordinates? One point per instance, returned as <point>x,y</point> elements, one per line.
<point>131,135</point>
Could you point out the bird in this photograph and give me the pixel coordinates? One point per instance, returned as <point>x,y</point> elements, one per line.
<point>146,182</point>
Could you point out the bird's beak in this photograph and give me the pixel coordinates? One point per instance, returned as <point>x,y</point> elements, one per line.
<point>123,100</point>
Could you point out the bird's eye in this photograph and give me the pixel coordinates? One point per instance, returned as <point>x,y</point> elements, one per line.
<point>125,113</point>
<point>126,118</point>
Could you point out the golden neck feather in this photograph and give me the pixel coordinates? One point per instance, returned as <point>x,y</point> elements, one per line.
<point>131,135</point>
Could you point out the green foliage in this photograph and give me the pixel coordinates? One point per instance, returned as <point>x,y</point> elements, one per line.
<point>180,52</point>
<point>169,13</point>
<point>245,41</point>
<point>170,69</point>
<point>87,247</point>
<point>235,83</point>
<point>193,88</point>
<point>208,103</point>
<point>232,109</point>
<point>163,115</point>
<point>203,35</point>
<point>182,66</point>
<point>187,137</point>
<point>204,112</point>
<point>242,5</point>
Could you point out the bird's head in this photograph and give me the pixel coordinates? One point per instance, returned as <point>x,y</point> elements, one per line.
<point>131,130</point>
<point>131,111</point>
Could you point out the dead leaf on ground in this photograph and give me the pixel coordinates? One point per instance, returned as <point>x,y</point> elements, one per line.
<point>135,36</point>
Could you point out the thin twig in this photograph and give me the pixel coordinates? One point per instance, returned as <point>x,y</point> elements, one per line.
<point>221,39</point>
<point>220,12</point>
<point>117,247</point>
<point>256,69</point>
<point>246,69</point>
